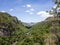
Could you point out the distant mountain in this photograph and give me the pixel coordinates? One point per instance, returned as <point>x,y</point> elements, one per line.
<point>28,25</point>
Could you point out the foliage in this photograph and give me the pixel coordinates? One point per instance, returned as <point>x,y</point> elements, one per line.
<point>13,32</point>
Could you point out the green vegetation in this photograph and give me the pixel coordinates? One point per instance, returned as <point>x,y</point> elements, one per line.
<point>13,32</point>
<point>43,33</point>
<point>11,29</point>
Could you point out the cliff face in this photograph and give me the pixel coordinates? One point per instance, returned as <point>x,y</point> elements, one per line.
<point>53,38</point>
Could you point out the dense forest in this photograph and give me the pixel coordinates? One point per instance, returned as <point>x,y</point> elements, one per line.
<point>16,32</point>
<point>13,32</point>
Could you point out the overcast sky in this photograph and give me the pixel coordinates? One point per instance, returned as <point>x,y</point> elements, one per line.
<point>27,10</point>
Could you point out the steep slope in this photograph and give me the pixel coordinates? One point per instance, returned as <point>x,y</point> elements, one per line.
<point>11,29</point>
<point>50,28</point>
<point>13,32</point>
<point>43,33</point>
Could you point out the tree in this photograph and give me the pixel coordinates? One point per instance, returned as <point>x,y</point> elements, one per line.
<point>56,9</point>
<point>57,1</point>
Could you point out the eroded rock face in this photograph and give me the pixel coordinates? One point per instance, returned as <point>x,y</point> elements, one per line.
<point>5,32</point>
<point>1,33</point>
<point>54,37</point>
<point>51,40</point>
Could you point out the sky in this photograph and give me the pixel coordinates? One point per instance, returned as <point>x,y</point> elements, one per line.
<point>27,10</point>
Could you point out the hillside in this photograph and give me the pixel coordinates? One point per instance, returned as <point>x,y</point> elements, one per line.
<point>10,29</point>
<point>48,30</point>
<point>13,32</point>
<point>44,33</point>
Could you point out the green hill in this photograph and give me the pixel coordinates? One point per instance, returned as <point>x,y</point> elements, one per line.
<point>11,29</point>
<point>47,32</point>
<point>13,32</point>
<point>28,25</point>
<point>43,33</point>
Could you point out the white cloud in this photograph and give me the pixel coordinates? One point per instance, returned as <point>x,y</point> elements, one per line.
<point>31,13</point>
<point>3,11</point>
<point>27,11</point>
<point>55,6</point>
<point>43,14</point>
<point>11,9</point>
<point>32,9</point>
<point>28,5</point>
